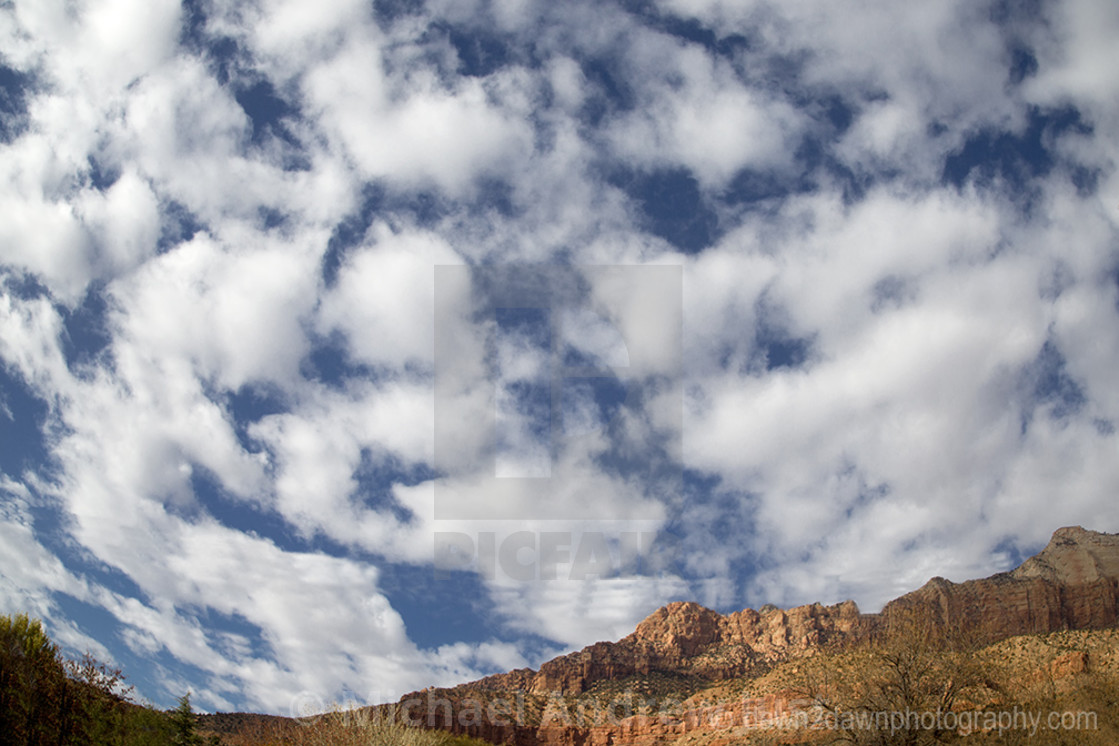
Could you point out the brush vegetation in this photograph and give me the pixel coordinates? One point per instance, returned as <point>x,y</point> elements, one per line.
<point>1056,689</point>
<point>47,699</point>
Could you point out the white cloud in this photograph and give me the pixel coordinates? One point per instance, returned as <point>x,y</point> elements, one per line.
<point>594,336</point>
<point>42,236</point>
<point>303,604</point>
<point>911,442</point>
<point>904,430</point>
<point>99,46</point>
<point>125,220</point>
<point>901,68</point>
<point>294,30</point>
<point>126,38</point>
<point>233,314</point>
<point>29,344</point>
<point>567,83</point>
<point>696,112</point>
<point>579,613</point>
<point>384,299</point>
<point>424,134</point>
<point>1072,67</point>
<point>31,571</point>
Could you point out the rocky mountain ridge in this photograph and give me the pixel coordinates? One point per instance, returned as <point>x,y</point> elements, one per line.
<point>690,675</point>
<point>1072,584</point>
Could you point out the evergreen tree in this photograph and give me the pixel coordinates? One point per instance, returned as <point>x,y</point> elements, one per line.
<point>184,723</point>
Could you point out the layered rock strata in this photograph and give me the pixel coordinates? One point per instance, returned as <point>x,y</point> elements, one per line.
<point>1071,584</point>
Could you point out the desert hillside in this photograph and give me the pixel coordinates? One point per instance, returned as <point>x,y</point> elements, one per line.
<point>1026,656</point>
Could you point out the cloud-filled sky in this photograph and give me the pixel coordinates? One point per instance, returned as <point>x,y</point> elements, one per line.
<point>350,347</point>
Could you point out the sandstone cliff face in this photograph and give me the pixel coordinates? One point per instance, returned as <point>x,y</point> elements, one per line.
<point>1072,584</point>
<point>686,638</point>
<point>1074,556</point>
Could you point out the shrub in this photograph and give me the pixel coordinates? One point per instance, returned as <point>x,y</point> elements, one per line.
<point>47,700</point>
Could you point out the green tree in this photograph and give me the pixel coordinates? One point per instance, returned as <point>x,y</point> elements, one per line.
<point>47,700</point>
<point>97,705</point>
<point>33,695</point>
<point>184,724</point>
<point>146,726</point>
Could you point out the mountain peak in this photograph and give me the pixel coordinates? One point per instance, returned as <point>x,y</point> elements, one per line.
<point>1074,556</point>
<point>1071,584</point>
<point>683,625</point>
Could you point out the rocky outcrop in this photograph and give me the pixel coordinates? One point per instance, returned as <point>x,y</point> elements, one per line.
<point>1074,557</point>
<point>683,641</point>
<point>686,638</point>
<point>1072,584</point>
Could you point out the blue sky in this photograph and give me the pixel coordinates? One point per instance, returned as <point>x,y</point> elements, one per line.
<point>353,347</point>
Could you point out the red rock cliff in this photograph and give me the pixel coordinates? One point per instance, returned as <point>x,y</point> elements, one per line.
<point>1072,584</point>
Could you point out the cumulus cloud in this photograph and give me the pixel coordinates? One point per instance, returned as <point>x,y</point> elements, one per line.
<point>427,134</point>
<point>697,112</point>
<point>384,297</point>
<point>826,297</point>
